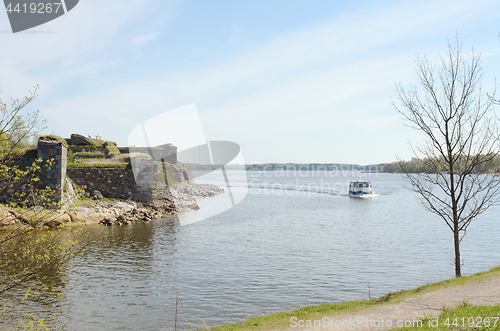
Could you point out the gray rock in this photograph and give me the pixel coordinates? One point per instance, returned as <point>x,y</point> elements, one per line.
<point>96,195</point>
<point>123,205</point>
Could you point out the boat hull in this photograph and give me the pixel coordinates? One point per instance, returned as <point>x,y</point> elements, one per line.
<point>359,196</point>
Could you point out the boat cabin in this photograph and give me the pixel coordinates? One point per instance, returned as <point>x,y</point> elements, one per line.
<point>357,188</point>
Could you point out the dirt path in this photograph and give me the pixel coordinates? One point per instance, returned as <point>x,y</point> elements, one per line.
<point>486,292</point>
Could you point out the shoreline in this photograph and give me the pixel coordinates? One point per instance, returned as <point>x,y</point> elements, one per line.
<point>406,303</point>
<point>167,201</point>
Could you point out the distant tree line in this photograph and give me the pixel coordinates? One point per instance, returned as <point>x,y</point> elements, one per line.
<point>416,165</point>
<point>291,167</point>
<point>312,167</point>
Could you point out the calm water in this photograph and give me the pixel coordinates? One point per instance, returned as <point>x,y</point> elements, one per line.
<point>276,250</point>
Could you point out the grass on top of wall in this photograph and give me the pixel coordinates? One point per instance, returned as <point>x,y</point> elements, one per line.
<point>101,155</point>
<point>85,146</point>
<point>53,137</point>
<point>99,165</point>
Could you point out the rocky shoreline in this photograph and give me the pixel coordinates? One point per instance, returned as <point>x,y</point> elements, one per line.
<point>167,201</point>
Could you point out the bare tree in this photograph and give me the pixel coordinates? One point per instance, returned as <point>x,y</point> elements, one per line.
<point>462,139</point>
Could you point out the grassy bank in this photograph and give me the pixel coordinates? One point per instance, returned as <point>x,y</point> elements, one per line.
<point>463,317</point>
<point>282,320</point>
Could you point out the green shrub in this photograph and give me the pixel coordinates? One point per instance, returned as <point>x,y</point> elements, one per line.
<point>96,142</point>
<point>71,156</point>
<point>112,151</point>
<point>108,143</point>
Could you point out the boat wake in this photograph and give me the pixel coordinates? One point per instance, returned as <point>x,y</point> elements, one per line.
<point>364,196</point>
<point>303,190</point>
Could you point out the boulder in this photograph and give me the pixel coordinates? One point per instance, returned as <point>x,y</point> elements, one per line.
<point>108,220</point>
<point>6,217</point>
<point>59,219</point>
<point>96,195</point>
<point>93,217</point>
<point>76,217</point>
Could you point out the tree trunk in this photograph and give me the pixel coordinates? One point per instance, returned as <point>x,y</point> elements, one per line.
<point>458,272</point>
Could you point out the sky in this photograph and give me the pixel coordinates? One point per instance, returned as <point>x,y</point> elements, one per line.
<point>289,81</point>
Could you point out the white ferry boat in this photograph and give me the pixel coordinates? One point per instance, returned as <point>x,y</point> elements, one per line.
<point>360,189</point>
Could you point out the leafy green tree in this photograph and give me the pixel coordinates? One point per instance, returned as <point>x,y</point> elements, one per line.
<point>16,127</point>
<point>28,249</point>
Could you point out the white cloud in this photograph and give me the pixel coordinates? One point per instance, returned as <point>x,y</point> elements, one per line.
<point>310,84</point>
<point>81,43</point>
<point>143,39</point>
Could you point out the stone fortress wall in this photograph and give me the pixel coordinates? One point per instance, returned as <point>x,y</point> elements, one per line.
<point>53,177</point>
<point>111,182</point>
<point>114,183</point>
<point>167,152</point>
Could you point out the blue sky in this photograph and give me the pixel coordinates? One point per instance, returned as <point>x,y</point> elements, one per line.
<point>289,81</point>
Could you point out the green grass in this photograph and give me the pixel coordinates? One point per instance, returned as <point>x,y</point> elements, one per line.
<point>282,320</point>
<point>53,137</point>
<point>97,155</point>
<point>112,151</point>
<point>70,155</point>
<point>463,317</point>
<point>85,146</point>
<point>98,165</point>
<point>109,143</point>
<point>126,157</point>
<point>89,161</point>
<point>96,142</point>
